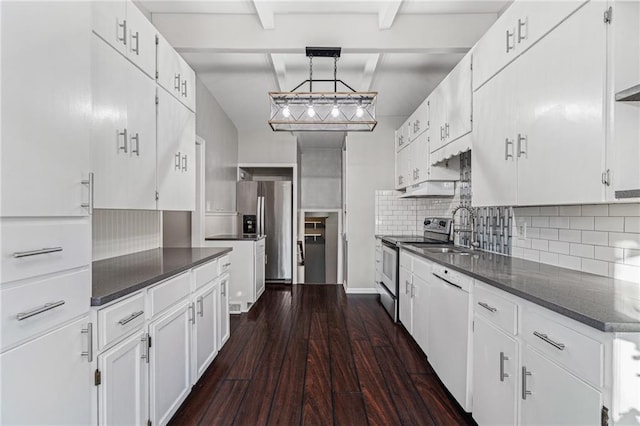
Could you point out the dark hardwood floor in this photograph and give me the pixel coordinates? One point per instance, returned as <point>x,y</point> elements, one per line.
<point>309,354</point>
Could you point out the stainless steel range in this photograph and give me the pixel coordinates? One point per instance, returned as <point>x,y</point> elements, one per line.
<point>435,231</point>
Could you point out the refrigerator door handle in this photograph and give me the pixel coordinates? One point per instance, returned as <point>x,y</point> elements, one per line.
<point>260,215</point>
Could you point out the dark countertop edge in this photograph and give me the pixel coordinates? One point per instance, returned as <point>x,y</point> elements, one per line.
<point>607,327</point>
<point>229,237</point>
<point>103,300</point>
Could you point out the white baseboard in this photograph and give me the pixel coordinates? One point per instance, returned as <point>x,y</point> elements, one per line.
<point>370,290</point>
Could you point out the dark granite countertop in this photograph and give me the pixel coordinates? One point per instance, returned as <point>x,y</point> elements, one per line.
<point>235,237</point>
<point>603,303</point>
<point>122,275</point>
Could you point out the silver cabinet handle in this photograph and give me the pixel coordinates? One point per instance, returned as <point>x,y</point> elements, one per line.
<point>201,304</point>
<point>447,281</point>
<point>89,182</point>
<point>128,319</point>
<point>487,307</point>
<point>223,290</point>
<point>44,308</point>
<point>441,133</point>
<point>503,358</point>
<point>446,126</point>
<point>521,24</point>
<point>184,163</point>
<point>525,374</point>
<point>136,36</point>
<point>137,139</point>
<point>507,142</point>
<point>406,287</point>
<point>89,332</point>
<point>192,313</point>
<point>19,254</point>
<point>546,338</point>
<point>417,126</point>
<point>145,340</point>
<point>226,265</point>
<point>176,162</point>
<point>123,39</point>
<point>509,36</point>
<point>413,291</point>
<point>184,88</point>
<point>124,140</point>
<point>521,138</point>
<point>176,82</point>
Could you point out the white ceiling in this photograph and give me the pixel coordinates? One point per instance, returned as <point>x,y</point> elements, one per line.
<point>242,49</point>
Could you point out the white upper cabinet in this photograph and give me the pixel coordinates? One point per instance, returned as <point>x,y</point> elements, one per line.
<point>122,25</point>
<point>539,124</point>
<point>123,133</point>
<point>46,108</point>
<point>402,136</point>
<point>176,155</point>
<point>403,176</point>
<point>419,121</point>
<point>175,75</point>
<point>519,27</point>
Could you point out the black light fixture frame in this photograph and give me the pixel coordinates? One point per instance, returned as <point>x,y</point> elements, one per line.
<point>323,52</point>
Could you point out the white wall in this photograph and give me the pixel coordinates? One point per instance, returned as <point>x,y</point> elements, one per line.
<point>321,178</point>
<point>120,232</point>
<point>263,146</point>
<point>370,166</point>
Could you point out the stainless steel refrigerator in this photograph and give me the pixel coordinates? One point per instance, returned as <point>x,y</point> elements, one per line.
<point>266,208</point>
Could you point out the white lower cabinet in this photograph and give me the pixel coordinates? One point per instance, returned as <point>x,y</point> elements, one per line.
<point>405,300</point>
<point>420,320</point>
<point>123,395</point>
<point>495,375</point>
<point>205,342</point>
<point>223,325</point>
<point>260,265</point>
<point>552,395</point>
<point>170,379</point>
<point>47,380</point>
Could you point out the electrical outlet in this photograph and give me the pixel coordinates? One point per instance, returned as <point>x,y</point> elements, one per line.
<point>521,229</point>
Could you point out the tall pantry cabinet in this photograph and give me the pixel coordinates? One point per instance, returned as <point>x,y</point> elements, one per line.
<point>46,338</point>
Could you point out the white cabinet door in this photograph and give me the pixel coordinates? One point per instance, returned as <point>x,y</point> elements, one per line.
<point>175,75</point>
<point>123,395</point>
<point>405,299</point>
<point>419,159</point>
<point>420,317</point>
<point>449,323</point>
<point>109,21</point>
<point>170,362</point>
<point>494,146</point>
<point>223,329</point>
<point>403,177</point>
<point>459,100</point>
<point>561,123</point>
<point>555,396</point>
<point>46,108</point>
<point>438,129</point>
<point>260,259</point>
<point>176,146</point>
<point>205,342</point>
<point>141,43</point>
<point>48,381</point>
<point>495,375</point>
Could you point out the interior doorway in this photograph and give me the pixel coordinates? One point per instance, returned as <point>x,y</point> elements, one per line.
<point>322,257</point>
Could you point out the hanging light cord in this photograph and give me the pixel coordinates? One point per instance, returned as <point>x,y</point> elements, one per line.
<point>311,73</point>
<point>335,74</point>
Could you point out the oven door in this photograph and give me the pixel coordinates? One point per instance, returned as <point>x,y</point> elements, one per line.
<point>389,265</point>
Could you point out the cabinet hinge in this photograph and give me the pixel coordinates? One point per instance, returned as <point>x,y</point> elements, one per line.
<point>473,326</point>
<point>157,195</point>
<point>149,340</point>
<point>157,100</point>
<point>157,40</point>
<point>606,177</point>
<point>604,416</point>
<point>149,422</point>
<point>608,15</point>
<point>97,377</point>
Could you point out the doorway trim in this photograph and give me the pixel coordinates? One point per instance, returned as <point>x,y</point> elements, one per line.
<point>300,237</point>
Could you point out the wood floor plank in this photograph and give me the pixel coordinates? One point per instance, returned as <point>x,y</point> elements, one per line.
<point>374,330</point>
<point>349,409</point>
<point>410,407</point>
<point>317,405</point>
<point>344,377</point>
<point>224,406</point>
<point>245,364</point>
<point>442,409</point>
<point>286,408</point>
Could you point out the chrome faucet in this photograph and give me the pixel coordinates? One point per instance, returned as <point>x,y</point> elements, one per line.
<point>472,217</point>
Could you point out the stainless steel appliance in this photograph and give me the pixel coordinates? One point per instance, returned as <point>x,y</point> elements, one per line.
<point>435,231</point>
<point>267,208</point>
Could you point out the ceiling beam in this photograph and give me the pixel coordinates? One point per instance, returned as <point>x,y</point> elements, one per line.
<point>369,71</point>
<point>266,16</point>
<point>279,69</point>
<point>387,14</point>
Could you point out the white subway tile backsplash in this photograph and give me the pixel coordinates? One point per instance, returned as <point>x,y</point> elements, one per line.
<point>624,272</point>
<point>548,234</point>
<point>549,258</point>
<point>540,245</point>
<point>597,267</point>
<point>615,224</point>
<point>549,211</point>
<point>559,247</point>
<point>632,257</point>
<point>570,211</point>
<point>540,222</point>
<point>624,209</point>
<point>624,240</point>
<point>584,223</point>
<point>523,243</point>
<point>517,252</point>
<point>559,222</point>
<point>595,237</point>
<point>595,210</point>
<point>609,254</point>
<point>533,232</point>
<point>526,211</point>
<point>570,262</point>
<point>631,224</point>
<point>582,250</point>
<point>533,255</point>
<point>569,235</point>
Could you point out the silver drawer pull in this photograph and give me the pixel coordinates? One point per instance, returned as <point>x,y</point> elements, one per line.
<point>89,332</point>
<point>130,318</point>
<point>503,358</point>
<point>447,281</point>
<point>20,254</point>
<point>525,374</point>
<point>487,307</point>
<point>224,288</point>
<point>546,338</point>
<point>44,308</point>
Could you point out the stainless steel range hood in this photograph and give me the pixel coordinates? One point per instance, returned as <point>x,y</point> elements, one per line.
<point>430,189</point>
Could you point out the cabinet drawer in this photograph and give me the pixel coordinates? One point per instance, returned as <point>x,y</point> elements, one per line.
<point>36,247</point>
<point>206,273</point>
<point>168,293</point>
<point>575,351</point>
<point>225,264</point>
<point>119,319</point>
<point>42,299</point>
<point>498,310</point>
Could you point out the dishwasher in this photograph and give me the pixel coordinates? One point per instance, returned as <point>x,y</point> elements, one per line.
<point>450,331</point>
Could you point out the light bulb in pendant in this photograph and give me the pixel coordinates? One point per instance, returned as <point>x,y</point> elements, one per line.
<point>286,112</point>
<point>335,112</point>
<point>310,111</point>
<point>359,111</point>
